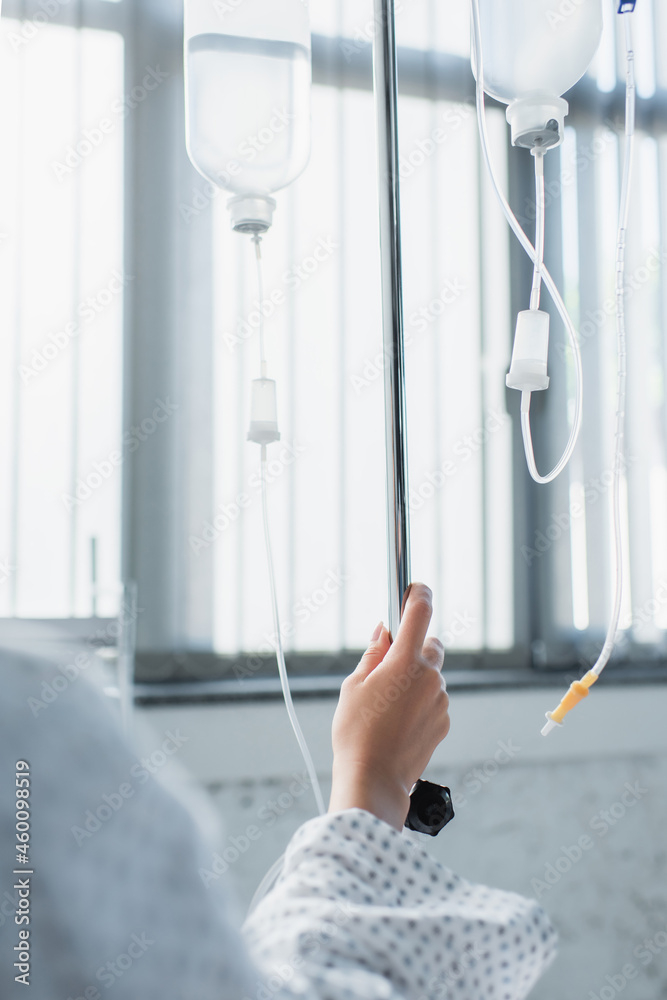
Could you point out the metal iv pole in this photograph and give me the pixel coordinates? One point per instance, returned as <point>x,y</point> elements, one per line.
<point>386,101</point>
<point>430,804</point>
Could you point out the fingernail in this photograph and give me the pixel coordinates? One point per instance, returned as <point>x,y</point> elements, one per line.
<point>377,632</point>
<point>405,598</point>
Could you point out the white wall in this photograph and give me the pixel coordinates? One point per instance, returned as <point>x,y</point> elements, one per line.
<point>521,815</point>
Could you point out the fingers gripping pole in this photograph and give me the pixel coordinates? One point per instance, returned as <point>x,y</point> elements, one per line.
<point>430,805</point>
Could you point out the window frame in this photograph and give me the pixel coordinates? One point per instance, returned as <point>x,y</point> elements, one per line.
<point>168,343</point>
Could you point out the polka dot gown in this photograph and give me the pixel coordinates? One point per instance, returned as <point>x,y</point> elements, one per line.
<point>359,910</point>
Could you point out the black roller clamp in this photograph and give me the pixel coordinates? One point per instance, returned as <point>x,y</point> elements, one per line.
<point>431,808</point>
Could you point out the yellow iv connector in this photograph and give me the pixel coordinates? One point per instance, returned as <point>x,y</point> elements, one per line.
<point>575,693</point>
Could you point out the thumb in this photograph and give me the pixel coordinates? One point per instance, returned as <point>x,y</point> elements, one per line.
<point>375,654</point>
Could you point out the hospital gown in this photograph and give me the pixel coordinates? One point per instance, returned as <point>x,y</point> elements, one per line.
<point>121,906</point>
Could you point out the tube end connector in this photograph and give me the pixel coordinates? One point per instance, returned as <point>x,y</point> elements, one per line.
<point>576,692</point>
<point>550,725</point>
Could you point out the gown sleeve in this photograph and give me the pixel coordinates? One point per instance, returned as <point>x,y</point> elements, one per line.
<point>118,902</point>
<point>362,911</point>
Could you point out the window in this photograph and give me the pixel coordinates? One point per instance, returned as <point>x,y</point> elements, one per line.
<point>62,284</point>
<point>161,375</point>
<point>570,535</point>
<point>516,568</point>
<point>325,346</point>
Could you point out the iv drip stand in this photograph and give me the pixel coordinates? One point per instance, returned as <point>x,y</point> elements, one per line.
<point>386,101</point>
<point>430,804</point>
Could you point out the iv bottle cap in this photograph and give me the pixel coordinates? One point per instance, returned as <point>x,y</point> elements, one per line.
<point>537,121</point>
<point>251,214</point>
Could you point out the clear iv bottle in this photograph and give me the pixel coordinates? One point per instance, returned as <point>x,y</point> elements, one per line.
<point>534,51</point>
<point>248,74</point>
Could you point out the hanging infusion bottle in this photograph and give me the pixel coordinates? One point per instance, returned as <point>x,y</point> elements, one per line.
<point>533,54</point>
<point>248,75</point>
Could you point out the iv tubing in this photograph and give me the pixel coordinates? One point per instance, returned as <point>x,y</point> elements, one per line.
<point>280,656</point>
<point>266,884</point>
<point>274,871</point>
<point>575,693</point>
<point>545,275</point>
<point>272,875</point>
<point>257,240</point>
<point>540,211</point>
<point>628,159</point>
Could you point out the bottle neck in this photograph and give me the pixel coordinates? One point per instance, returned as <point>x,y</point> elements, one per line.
<point>537,121</point>
<point>251,214</point>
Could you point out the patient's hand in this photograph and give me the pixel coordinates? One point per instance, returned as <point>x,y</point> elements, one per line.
<point>392,714</point>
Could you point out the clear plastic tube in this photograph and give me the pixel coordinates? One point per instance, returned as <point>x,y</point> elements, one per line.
<point>266,884</point>
<point>545,275</point>
<point>575,692</point>
<point>619,443</point>
<point>257,240</point>
<point>540,212</point>
<point>272,875</point>
<point>280,655</point>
